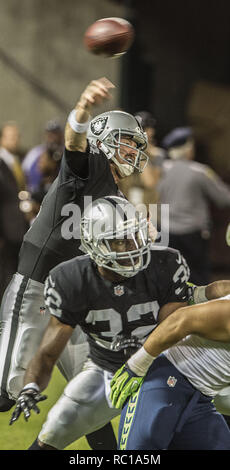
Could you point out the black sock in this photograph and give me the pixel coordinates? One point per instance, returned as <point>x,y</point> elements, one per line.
<point>102,439</point>
<point>35,446</point>
<point>6,403</point>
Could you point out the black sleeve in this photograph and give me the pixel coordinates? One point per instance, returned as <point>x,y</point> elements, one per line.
<point>58,298</point>
<point>173,280</point>
<point>78,162</point>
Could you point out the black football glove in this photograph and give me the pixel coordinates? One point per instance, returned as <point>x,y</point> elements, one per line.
<point>27,400</point>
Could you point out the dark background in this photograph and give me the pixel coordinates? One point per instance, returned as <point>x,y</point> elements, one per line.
<point>179,69</point>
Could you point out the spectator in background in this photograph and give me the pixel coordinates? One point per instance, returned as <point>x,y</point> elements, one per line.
<point>9,151</point>
<point>48,165</point>
<point>148,122</point>
<point>54,139</point>
<point>151,174</point>
<point>141,188</point>
<point>12,221</point>
<point>189,187</point>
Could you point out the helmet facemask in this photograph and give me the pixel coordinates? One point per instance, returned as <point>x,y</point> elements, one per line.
<point>114,141</point>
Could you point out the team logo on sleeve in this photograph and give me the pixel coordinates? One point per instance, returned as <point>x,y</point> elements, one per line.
<point>98,126</point>
<point>119,290</point>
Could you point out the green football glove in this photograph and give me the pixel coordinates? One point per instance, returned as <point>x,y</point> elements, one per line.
<point>123,384</point>
<point>190,292</point>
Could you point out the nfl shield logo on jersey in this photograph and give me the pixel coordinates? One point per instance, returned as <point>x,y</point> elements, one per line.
<point>171,381</point>
<point>119,290</point>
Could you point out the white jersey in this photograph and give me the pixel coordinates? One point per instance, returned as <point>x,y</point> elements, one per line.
<point>205,363</point>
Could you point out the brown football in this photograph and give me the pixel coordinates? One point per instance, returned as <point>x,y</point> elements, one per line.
<point>109,37</point>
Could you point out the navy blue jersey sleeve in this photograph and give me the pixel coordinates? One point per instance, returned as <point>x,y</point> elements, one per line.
<point>173,278</point>
<point>60,299</point>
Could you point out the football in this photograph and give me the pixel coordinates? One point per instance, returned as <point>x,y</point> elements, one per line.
<point>109,37</point>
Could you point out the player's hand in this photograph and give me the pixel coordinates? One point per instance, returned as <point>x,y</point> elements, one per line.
<point>96,92</point>
<point>123,384</point>
<point>190,292</point>
<point>27,400</point>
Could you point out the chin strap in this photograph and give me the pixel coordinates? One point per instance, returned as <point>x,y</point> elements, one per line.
<point>106,150</point>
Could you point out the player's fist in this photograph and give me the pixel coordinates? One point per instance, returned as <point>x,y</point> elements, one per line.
<point>27,401</point>
<point>123,384</point>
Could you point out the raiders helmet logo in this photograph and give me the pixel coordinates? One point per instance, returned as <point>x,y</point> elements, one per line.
<point>98,126</point>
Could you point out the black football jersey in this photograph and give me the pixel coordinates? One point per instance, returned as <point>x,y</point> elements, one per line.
<point>77,294</point>
<point>54,234</point>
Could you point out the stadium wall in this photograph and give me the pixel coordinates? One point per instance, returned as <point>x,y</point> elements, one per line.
<point>44,65</point>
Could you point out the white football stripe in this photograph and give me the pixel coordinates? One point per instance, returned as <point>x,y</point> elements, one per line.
<point>118,20</point>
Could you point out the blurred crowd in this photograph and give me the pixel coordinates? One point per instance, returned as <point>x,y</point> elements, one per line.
<point>25,178</point>
<point>172,177</point>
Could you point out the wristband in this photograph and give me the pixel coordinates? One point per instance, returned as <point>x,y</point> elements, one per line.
<point>199,295</point>
<point>140,362</point>
<point>78,127</point>
<point>31,385</point>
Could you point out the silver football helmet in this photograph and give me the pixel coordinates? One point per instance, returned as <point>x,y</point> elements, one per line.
<point>112,219</point>
<point>106,131</point>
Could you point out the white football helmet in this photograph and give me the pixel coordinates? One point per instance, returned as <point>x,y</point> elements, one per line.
<point>108,129</point>
<point>114,218</point>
